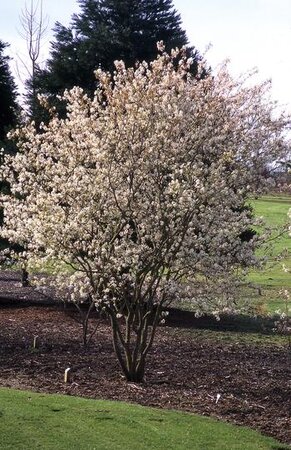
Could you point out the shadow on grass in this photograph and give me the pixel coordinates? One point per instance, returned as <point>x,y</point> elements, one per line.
<point>240,323</point>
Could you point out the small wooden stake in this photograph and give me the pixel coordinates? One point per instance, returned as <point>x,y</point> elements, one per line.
<point>35,342</point>
<point>67,375</point>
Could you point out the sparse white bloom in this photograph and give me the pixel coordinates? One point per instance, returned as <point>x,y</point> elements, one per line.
<point>160,46</point>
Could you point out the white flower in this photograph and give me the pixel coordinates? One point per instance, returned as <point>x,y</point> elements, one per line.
<point>137,195</point>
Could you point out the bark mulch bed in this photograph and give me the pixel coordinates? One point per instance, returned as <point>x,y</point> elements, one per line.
<point>242,383</point>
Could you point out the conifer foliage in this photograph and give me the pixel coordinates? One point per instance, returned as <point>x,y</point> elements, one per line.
<point>109,30</point>
<point>8,105</point>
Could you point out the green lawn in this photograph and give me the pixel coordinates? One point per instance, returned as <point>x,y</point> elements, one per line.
<point>272,279</point>
<point>40,421</point>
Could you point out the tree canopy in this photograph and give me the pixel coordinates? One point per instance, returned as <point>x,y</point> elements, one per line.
<point>8,94</point>
<point>140,191</point>
<point>105,31</point>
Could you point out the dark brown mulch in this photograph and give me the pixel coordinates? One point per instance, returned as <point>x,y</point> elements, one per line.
<point>13,294</point>
<point>243,383</point>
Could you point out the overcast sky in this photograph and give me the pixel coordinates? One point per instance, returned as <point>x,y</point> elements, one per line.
<point>251,33</point>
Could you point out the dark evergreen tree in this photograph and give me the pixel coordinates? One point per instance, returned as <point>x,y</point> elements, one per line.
<point>8,94</point>
<point>106,30</point>
<point>8,116</point>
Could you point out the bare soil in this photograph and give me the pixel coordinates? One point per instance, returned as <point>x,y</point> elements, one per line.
<point>247,384</point>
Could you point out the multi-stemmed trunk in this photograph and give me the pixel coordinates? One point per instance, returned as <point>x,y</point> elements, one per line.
<point>133,336</point>
<point>84,316</point>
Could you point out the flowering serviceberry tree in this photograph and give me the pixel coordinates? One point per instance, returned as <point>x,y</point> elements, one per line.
<point>140,191</point>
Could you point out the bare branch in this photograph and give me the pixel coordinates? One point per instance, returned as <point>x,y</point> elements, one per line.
<point>34,26</point>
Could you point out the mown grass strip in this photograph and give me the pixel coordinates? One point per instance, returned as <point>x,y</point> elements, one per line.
<point>41,421</point>
<point>272,279</point>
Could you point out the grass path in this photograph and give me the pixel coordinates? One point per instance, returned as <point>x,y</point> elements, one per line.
<point>40,421</point>
<point>272,279</point>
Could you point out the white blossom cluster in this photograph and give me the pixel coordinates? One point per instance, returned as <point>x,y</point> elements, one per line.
<point>140,190</point>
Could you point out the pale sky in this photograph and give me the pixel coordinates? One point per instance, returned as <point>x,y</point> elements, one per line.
<point>251,33</point>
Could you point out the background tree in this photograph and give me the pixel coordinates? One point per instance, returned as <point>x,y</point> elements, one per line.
<point>105,31</point>
<point>140,191</point>
<point>8,117</point>
<point>33,28</point>
<point>8,95</point>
